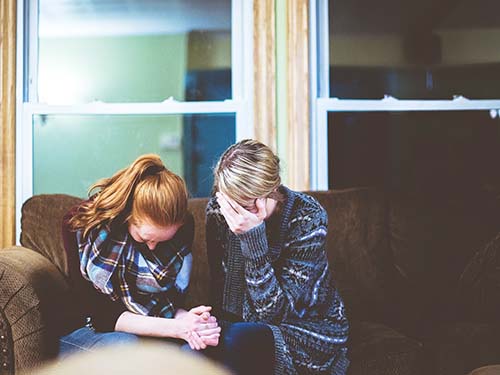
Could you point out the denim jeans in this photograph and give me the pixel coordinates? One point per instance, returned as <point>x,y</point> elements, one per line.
<point>245,348</point>
<point>86,339</point>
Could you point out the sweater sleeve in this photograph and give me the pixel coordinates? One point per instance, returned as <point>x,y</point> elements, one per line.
<point>288,287</point>
<point>102,311</point>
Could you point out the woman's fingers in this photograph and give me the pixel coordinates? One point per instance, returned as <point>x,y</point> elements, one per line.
<point>196,341</point>
<point>198,310</point>
<point>190,342</point>
<point>209,332</point>
<point>237,207</point>
<point>225,203</point>
<point>261,208</point>
<point>205,316</point>
<point>238,218</point>
<point>205,325</point>
<point>233,219</point>
<point>228,215</point>
<point>212,340</point>
<point>199,344</point>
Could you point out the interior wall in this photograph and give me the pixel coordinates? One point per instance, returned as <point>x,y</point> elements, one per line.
<point>457,47</point>
<point>209,50</point>
<point>473,46</point>
<point>367,50</point>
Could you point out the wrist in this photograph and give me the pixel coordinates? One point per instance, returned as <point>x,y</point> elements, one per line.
<point>179,313</point>
<point>171,328</point>
<point>254,242</point>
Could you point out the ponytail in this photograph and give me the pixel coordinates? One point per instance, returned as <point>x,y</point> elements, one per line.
<point>144,191</point>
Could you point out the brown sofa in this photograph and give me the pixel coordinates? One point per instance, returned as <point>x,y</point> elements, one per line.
<point>396,258</point>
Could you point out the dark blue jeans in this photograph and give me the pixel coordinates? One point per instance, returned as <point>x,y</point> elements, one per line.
<point>245,348</point>
<point>85,339</point>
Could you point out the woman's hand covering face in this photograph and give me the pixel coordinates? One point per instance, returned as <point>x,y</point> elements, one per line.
<point>239,219</point>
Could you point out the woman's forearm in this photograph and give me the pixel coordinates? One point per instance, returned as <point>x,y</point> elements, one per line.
<point>195,326</point>
<point>148,325</point>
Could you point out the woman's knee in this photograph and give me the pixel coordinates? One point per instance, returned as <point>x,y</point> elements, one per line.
<point>111,338</point>
<point>248,336</point>
<point>86,339</point>
<point>248,348</point>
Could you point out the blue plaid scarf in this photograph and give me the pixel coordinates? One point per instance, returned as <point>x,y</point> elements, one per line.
<point>145,281</point>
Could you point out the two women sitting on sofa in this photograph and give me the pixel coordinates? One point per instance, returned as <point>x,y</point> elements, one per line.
<point>274,309</point>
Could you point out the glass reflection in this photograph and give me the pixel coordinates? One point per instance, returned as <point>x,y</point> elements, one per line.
<point>72,152</point>
<point>134,51</point>
<point>414,150</point>
<point>414,49</point>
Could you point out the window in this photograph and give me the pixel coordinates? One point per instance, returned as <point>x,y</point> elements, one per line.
<point>106,81</point>
<point>412,149</point>
<point>392,78</point>
<point>106,141</point>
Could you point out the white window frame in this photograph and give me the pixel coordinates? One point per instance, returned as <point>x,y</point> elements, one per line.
<point>241,104</point>
<point>322,103</point>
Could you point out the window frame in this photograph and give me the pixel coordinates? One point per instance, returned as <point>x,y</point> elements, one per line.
<point>241,104</point>
<point>8,53</point>
<point>322,103</point>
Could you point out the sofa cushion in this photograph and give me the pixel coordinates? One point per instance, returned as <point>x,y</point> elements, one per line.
<point>479,285</point>
<point>376,349</point>
<point>41,231</point>
<point>41,226</point>
<point>463,346</point>
<point>198,290</point>
<point>486,370</point>
<point>433,235</point>
<point>358,251</point>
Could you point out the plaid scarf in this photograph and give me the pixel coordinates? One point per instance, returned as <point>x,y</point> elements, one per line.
<point>145,281</point>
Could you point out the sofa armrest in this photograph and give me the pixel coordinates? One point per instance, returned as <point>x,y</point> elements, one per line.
<point>32,290</point>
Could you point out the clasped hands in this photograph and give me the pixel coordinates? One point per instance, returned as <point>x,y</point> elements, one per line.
<point>239,219</point>
<point>198,327</point>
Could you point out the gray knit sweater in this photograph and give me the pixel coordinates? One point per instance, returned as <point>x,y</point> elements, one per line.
<point>277,273</point>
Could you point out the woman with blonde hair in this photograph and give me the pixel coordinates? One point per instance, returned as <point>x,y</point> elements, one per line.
<point>129,257</point>
<point>272,289</point>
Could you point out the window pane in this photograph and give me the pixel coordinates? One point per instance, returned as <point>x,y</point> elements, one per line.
<point>72,152</point>
<point>414,49</point>
<point>414,150</point>
<point>134,51</point>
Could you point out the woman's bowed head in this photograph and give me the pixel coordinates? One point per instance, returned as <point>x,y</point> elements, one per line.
<point>149,198</point>
<point>133,238</point>
<point>247,178</point>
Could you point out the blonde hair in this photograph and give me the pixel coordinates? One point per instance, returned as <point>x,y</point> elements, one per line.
<point>146,191</point>
<point>247,170</point>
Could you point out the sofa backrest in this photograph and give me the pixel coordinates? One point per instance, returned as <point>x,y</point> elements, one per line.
<point>41,231</point>
<point>356,243</point>
<point>433,235</point>
<point>358,250</point>
<point>198,291</point>
<point>41,226</point>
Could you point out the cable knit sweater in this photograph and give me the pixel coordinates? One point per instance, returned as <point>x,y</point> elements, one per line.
<point>277,273</point>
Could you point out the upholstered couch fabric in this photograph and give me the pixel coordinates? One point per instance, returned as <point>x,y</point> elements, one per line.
<point>396,258</point>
